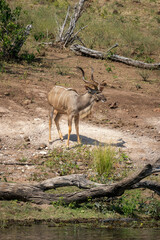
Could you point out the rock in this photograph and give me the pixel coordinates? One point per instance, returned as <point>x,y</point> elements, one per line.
<point>7,94</point>
<point>43,153</point>
<point>27,102</point>
<point>113,105</point>
<point>115,12</point>
<point>156,110</point>
<point>144,159</point>
<point>27,139</point>
<point>42,146</point>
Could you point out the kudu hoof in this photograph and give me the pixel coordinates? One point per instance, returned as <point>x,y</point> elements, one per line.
<point>50,141</point>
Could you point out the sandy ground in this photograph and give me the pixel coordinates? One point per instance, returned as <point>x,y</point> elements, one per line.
<point>16,131</point>
<point>129,120</point>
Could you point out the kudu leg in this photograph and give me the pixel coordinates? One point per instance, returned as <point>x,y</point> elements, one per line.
<point>76,121</point>
<point>51,110</point>
<point>69,129</point>
<point>57,118</point>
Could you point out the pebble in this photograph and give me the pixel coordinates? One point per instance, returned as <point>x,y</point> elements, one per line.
<point>27,139</point>
<point>42,146</point>
<point>43,152</point>
<point>27,102</point>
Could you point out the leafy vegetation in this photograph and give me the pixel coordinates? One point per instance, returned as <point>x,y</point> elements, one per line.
<point>12,31</point>
<point>131,204</point>
<point>67,162</point>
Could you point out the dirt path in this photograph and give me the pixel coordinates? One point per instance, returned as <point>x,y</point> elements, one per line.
<point>18,132</point>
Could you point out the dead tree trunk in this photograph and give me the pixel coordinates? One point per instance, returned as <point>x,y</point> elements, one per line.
<point>36,193</point>
<point>67,37</point>
<point>105,55</point>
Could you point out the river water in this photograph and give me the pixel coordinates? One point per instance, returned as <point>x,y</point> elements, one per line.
<point>75,232</point>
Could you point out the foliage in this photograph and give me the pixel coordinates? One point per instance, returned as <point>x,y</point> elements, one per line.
<point>28,57</point>
<point>127,205</point>
<point>131,203</point>
<point>12,32</point>
<point>152,207</point>
<point>1,66</point>
<point>67,162</point>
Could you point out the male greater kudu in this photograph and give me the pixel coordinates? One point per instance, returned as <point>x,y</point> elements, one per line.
<point>68,101</point>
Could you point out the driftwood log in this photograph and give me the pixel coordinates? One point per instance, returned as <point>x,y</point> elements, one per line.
<point>36,193</point>
<point>114,57</point>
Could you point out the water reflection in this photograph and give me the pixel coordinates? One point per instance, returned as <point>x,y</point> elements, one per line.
<point>75,232</point>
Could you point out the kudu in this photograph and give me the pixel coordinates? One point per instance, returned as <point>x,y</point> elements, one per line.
<point>68,101</point>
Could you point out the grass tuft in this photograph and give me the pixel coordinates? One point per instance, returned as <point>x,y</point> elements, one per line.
<point>104,159</point>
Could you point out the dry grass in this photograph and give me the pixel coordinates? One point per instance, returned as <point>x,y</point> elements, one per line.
<point>133,24</point>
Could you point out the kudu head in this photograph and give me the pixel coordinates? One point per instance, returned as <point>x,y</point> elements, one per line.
<point>93,87</point>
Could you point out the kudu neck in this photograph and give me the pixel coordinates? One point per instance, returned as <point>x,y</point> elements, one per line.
<point>84,101</point>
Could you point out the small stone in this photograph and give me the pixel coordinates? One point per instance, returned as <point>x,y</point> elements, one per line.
<point>113,105</point>
<point>144,159</point>
<point>115,12</point>
<point>43,152</point>
<point>42,146</point>
<point>27,139</point>
<point>27,102</point>
<point>156,110</point>
<point>7,93</point>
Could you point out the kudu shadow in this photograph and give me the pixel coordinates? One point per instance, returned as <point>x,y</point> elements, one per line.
<point>90,141</point>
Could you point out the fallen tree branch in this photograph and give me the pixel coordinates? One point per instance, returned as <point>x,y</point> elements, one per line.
<point>105,55</point>
<point>78,180</point>
<point>36,193</point>
<point>148,185</point>
<point>20,163</point>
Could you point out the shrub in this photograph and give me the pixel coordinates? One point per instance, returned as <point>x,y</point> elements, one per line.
<point>12,32</point>
<point>144,75</point>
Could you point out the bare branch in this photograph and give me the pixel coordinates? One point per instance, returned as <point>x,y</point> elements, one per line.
<point>75,35</point>
<point>64,24</point>
<point>114,46</point>
<point>67,37</point>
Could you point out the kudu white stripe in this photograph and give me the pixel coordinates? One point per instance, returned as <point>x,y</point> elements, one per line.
<point>68,101</point>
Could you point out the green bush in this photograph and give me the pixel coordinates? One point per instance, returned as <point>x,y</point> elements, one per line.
<point>12,32</point>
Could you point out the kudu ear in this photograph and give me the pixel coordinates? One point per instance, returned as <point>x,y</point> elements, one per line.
<point>88,88</point>
<point>102,85</point>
